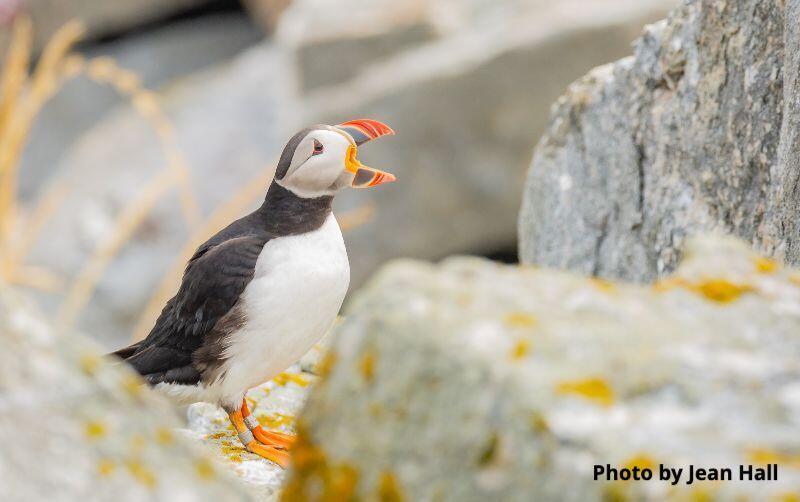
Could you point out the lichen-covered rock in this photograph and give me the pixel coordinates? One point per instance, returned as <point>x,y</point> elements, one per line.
<point>472,380</point>
<point>275,404</point>
<point>696,132</point>
<point>74,426</point>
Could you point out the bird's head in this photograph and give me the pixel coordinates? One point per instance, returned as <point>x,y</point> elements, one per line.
<point>322,160</point>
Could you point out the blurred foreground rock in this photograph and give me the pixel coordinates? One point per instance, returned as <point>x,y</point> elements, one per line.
<point>697,131</point>
<point>416,65</point>
<point>471,380</point>
<point>74,427</point>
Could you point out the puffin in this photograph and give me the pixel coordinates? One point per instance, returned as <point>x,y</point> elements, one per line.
<point>261,292</point>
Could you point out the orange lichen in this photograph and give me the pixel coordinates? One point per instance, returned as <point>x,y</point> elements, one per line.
<point>285,378</point>
<point>521,349</point>
<point>670,284</point>
<point>315,477</point>
<point>593,389</point>
<point>766,265</point>
<point>94,429</point>
<point>204,469</point>
<point>141,473</point>
<point>367,366</point>
<point>217,435</point>
<point>389,489</point>
<point>520,320</point>
<point>232,452</point>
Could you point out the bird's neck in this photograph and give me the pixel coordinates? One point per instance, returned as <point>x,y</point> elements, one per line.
<point>284,213</point>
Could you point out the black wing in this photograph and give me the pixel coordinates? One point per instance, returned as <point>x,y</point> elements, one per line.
<point>213,282</point>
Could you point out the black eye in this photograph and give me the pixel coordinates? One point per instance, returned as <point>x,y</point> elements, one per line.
<point>317,147</point>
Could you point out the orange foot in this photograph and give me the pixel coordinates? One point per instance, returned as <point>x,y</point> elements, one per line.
<point>280,457</point>
<point>246,436</point>
<point>268,438</point>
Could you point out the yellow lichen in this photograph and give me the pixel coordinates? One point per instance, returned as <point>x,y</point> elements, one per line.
<point>311,468</point>
<point>520,320</point>
<point>721,290</point>
<point>94,429</point>
<point>603,285</point>
<point>105,467</point>
<point>138,443</point>
<point>141,473</point>
<point>764,456</point>
<point>285,378</point>
<point>204,469</point>
<point>521,349</point>
<point>670,284</point>
<point>133,385</point>
<point>233,452</point>
<point>539,423</point>
<point>327,363</point>
<point>766,265</point>
<point>593,389</point>
<point>787,497</point>
<point>389,489</point>
<point>367,366</point>
<point>641,461</point>
<point>89,363</point>
<point>218,435</point>
<point>164,436</point>
<point>489,453</point>
<point>717,290</point>
<point>275,420</point>
<point>701,494</point>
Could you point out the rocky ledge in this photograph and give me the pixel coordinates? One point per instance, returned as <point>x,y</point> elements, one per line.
<point>471,380</point>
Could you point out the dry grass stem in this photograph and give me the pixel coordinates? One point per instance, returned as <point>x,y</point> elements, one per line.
<point>126,224</point>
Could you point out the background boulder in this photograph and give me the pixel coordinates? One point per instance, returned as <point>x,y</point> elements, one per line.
<point>416,65</point>
<point>472,380</point>
<point>695,132</point>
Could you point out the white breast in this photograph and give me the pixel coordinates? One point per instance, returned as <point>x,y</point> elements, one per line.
<point>296,292</point>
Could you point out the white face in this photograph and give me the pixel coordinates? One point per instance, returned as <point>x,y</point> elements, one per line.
<point>319,166</point>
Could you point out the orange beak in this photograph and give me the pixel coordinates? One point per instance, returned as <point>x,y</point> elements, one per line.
<point>362,131</point>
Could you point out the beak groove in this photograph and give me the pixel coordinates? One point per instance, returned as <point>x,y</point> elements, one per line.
<point>363,130</point>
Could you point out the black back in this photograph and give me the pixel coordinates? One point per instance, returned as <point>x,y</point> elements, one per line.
<point>187,343</point>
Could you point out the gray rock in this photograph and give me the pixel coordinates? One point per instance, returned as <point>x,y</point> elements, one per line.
<point>472,380</point>
<point>100,17</point>
<point>157,56</point>
<point>77,427</point>
<point>695,132</point>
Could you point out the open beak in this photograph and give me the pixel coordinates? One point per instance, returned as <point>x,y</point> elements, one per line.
<point>361,131</point>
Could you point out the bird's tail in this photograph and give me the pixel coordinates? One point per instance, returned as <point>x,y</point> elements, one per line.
<point>126,352</point>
